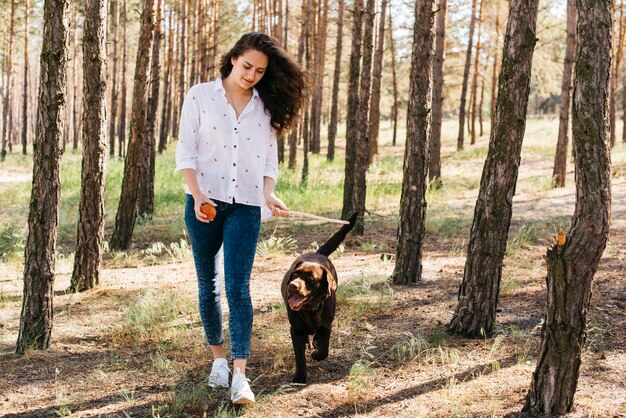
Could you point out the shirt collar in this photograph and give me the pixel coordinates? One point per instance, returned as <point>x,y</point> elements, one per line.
<point>220,86</point>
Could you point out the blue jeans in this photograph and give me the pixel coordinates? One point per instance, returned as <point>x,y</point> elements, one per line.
<point>236,226</point>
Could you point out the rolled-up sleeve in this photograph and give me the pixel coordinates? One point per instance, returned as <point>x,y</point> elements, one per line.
<point>186,154</point>
<point>271,158</point>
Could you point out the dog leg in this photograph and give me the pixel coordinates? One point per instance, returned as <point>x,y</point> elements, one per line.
<point>321,342</point>
<point>299,342</point>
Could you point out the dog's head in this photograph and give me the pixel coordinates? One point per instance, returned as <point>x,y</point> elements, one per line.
<point>309,284</point>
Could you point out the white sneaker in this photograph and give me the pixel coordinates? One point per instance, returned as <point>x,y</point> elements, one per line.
<point>219,373</point>
<point>240,392</point>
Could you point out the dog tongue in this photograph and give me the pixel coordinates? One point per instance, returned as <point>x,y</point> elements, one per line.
<point>295,301</point>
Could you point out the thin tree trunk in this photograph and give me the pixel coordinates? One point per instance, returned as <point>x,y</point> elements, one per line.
<point>394,78</point>
<point>482,96</point>
<point>121,133</point>
<point>475,312</point>
<point>166,104</point>
<point>573,261</point>
<point>293,136</point>
<point>90,231</point>
<point>374,117</point>
<point>6,107</point>
<point>408,267</point>
<point>25,86</point>
<point>560,158</point>
<point>127,209</point>
<point>320,55</point>
<point>494,73</point>
<point>43,216</point>
<point>146,188</point>
<point>75,87</point>
<point>434,166</point>
<point>332,126</point>
<point>306,139</point>
<point>474,88</point>
<point>468,60</point>
<point>617,64</point>
<point>114,87</point>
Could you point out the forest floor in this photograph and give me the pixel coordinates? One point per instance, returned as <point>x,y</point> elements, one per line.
<point>134,346</point>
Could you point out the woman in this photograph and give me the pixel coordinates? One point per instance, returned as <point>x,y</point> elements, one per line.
<point>227,154</point>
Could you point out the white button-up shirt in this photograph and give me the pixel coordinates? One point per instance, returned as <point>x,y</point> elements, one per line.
<point>230,155</point>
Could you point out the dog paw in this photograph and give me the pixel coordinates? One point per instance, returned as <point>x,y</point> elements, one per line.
<point>319,355</point>
<point>299,379</point>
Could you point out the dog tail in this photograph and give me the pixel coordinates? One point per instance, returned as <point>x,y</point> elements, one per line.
<point>333,242</point>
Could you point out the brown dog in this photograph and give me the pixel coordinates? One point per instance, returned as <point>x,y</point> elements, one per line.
<point>308,289</point>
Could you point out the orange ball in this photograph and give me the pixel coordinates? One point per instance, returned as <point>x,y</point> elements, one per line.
<point>208,210</point>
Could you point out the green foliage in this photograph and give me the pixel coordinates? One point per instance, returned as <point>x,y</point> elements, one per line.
<point>276,245</point>
<point>12,241</point>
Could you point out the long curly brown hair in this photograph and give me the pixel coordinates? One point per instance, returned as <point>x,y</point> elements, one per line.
<point>282,87</point>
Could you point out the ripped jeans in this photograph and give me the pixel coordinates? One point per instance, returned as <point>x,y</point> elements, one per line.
<point>236,226</point>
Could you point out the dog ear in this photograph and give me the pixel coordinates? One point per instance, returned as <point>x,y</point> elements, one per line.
<point>293,270</point>
<point>331,281</point>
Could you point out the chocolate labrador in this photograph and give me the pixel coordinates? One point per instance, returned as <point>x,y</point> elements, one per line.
<point>308,289</point>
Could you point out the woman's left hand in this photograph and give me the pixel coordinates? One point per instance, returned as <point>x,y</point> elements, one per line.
<point>276,206</point>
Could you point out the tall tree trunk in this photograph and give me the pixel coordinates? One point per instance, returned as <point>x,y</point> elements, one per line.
<point>25,86</point>
<point>617,64</point>
<point>146,187</point>
<point>394,81</point>
<point>166,104</point>
<point>573,261</point>
<point>356,166</point>
<point>560,158</point>
<point>474,89</point>
<point>90,231</point>
<point>43,215</point>
<point>475,312</point>
<point>8,77</point>
<point>482,96</point>
<point>319,63</point>
<point>127,209</point>
<point>332,126</point>
<point>494,73</point>
<point>293,136</point>
<point>434,166</point>
<point>306,138</point>
<point>408,267</point>
<point>121,133</point>
<point>374,117</point>
<point>468,60</point>
<point>75,87</point>
<point>114,87</point>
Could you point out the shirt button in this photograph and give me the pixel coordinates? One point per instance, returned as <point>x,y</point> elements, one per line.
<point>234,164</point>
<point>233,179</point>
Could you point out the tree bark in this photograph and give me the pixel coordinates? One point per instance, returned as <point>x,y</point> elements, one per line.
<point>90,231</point>
<point>408,267</point>
<point>475,312</point>
<point>319,64</point>
<point>560,157</point>
<point>573,261</point>
<point>127,209</point>
<point>25,85</point>
<point>434,166</point>
<point>357,135</point>
<point>6,106</point>
<point>43,215</point>
<point>114,86</point>
<point>75,87</point>
<point>146,187</point>
<point>617,64</point>
<point>468,60</point>
<point>166,104</point>
<point>494,73</point>
<point>121,133</point>
<point>332,126</point>
<point>374,117</point>
<point>474,89</point>
<point>394,78</point>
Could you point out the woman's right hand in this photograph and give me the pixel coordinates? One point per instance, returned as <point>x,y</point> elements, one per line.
<point>200,199</point>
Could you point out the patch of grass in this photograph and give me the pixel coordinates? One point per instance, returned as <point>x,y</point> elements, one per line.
<point>276,245</point>
<point>194,399</point>
<point>523,237</point>
<point>596,337</point>
<point>12,241</point>
<point>418,349</point>
<point>175,251</point>
<point>359,297</point>
<point>146,317</point>
<point>360,376</point>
